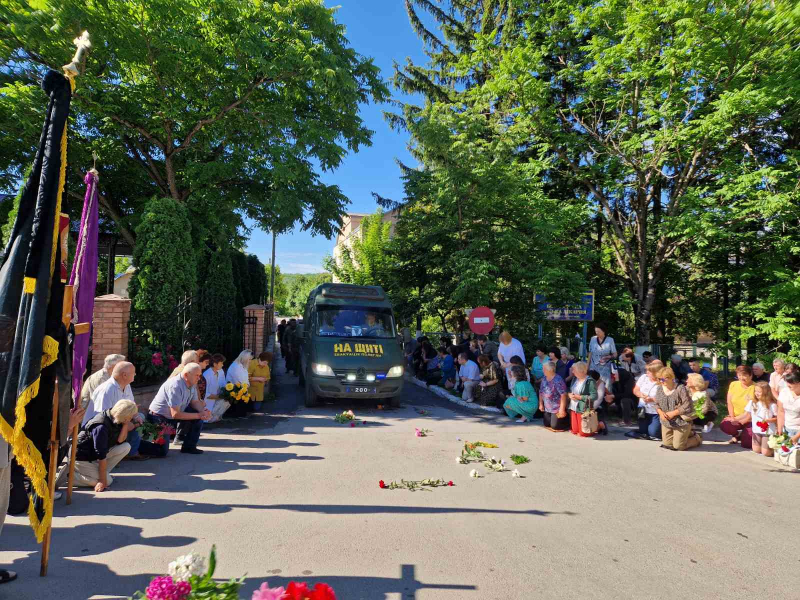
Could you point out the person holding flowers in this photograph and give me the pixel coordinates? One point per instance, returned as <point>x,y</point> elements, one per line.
<point>238,371</point>
<point>705,411</point>
<point>763,409</point>
<point>175,402</point>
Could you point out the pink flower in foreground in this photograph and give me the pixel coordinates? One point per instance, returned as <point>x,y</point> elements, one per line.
<point>267,593</point>
<point>164,588</point>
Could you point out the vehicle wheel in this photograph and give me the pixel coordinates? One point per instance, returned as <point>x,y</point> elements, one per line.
<point>301,381</point>
<point>311,396</point>
<point>394,401</point>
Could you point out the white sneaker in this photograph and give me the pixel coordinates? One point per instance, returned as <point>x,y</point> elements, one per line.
<point>708,427</point>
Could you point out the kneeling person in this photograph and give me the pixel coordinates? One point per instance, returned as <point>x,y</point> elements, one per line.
<point>102,445</point>
<point>176,401</point>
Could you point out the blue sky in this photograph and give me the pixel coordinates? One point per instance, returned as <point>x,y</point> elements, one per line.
<point>379,29</point>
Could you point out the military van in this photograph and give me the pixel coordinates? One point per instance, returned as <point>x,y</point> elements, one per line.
<point>349,345</point>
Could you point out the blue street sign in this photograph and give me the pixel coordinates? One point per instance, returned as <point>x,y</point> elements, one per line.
<point>577,312</point>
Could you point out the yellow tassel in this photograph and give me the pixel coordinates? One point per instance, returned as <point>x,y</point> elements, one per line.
<point>49,351</point>
<point>62,178</point>
<point>29,285</point>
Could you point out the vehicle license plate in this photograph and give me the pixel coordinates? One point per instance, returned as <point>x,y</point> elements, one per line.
<point>361,390</point>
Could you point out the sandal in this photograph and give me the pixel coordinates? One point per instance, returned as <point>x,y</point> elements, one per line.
<point>733,440</point>
<point>7,576</point>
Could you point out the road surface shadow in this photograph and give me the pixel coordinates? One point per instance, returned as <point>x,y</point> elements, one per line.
<point>351,509</point>
<point>362,588</point>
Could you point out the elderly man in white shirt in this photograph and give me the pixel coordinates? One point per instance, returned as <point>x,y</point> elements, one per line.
<point>98,378</point>
<point>469,374</point>
<point>117,388</point>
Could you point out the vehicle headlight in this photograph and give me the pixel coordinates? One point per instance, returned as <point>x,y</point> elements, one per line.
<point>395,372</point>
<point>322,370</point>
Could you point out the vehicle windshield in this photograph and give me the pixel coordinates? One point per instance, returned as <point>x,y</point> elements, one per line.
<point>355,321</point>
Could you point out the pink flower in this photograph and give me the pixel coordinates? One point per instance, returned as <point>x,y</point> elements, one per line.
<point>157,360</point>
<point>363,422</point>
<point>164,588</point>
<point>267,593</point>
<point>417,433</point>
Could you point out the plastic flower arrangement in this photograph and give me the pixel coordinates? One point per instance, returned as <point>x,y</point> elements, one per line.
<point>779,442</point>
<point>237,392</point>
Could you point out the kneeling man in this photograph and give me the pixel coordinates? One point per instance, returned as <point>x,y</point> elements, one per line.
<point>177,402</point>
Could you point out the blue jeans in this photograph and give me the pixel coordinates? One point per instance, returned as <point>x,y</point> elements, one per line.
<point>134,439</point>
<point>650,425</point>
<point>190,429</point>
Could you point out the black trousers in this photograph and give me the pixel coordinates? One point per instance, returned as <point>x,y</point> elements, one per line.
<point>552,421</point>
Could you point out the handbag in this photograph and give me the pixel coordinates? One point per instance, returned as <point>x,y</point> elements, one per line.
<point>589,422</point>
<point>789,459</point>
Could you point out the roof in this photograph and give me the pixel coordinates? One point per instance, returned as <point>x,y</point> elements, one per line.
<point>342,294</point>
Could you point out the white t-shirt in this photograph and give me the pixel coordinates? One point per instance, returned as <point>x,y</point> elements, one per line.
<point>758,412</point>
<point>791,409</point>
<point>648,387</point>
<point>508,351</point>
<point>776,381</point>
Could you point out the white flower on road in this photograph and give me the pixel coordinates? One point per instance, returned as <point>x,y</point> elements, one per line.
<point>515,473</point>
<point>474,473</point>
<point>459,460</point>
<point>184,567</point>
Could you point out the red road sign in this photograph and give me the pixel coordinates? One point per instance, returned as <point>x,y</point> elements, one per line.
<point>481,320</point>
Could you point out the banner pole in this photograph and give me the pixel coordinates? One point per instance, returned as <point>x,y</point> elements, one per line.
<point>51,480</point>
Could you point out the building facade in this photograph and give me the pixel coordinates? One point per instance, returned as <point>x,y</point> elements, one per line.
<point>351,231</point>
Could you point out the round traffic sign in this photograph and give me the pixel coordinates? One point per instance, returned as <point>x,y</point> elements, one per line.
<point>481,320</point>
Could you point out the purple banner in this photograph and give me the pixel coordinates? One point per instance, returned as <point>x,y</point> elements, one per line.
<point>84,280</point>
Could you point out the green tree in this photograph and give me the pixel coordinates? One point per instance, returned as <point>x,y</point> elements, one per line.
<point>655,108</point>
<point>238,99</point>
<point>216,304</point>
<point>162,276</point>
<point>280,291</point>
<point>299,287</point>
<point>257,277</point>
<point>367,261</point>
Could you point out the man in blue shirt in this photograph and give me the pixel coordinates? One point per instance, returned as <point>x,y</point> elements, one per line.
<point>176,402</point>
<point>469,374</point>
<point>696,365</point>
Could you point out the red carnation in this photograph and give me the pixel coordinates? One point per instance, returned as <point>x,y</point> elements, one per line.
<point>161,441</point>
<point>381,484</point>
<point>363,422</point>
<point>322,591</point>
<point>297,591</point>
<point>763,425</point>
<point>450,483</point>
<point>785,448</point>
<point>352,424</point>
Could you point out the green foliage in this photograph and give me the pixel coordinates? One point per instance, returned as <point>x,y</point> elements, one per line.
<point>257,279</point>
<point>162,276</point>
<point>367,262</point>
<point>299,286</point>
<point>280,290</point>
<point>216,301</point>
<point>236,105</point>
<point>240,279</point>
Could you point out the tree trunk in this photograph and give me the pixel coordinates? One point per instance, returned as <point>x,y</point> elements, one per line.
<point>644,313</point>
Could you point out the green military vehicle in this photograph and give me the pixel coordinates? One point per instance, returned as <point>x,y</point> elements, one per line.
<point>349,345</point>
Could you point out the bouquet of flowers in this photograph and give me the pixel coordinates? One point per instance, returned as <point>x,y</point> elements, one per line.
<point>156,433</point>
<point>236,392</point>
<point>190,579</point>
<point>699,400</point>
<point>345,417</point>
<point>780,443</point>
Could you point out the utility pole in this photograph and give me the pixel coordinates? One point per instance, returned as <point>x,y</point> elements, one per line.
<point>272,273</point>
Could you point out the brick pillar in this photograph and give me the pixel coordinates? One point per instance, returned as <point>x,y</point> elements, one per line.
<point>258,343</point>
<point>110,328</point>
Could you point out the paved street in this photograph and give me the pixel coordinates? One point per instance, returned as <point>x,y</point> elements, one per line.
<point>295,495</point>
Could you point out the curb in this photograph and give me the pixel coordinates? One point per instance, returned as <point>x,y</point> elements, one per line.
<point>443,393</point>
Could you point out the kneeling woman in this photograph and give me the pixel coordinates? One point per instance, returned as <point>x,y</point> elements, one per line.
<point>676,412</point>
<point>582,397</point>
<point>101,445</point>
<point>524,402</point>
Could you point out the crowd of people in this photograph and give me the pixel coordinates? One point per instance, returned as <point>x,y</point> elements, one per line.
<point>193,395</point>
<point>673,403</point>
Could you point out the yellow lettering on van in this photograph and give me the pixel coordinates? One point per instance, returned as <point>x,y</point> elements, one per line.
<point>338,348</point>
<point>347,348</point>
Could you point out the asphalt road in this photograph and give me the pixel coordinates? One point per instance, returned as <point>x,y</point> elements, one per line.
<point>294,495</point>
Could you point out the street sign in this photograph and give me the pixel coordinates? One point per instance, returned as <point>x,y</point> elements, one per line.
<point>577,312</point>
<point>481,320</point>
